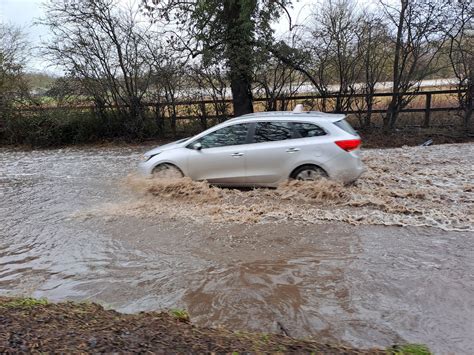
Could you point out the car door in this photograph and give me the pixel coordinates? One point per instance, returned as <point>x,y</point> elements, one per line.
<point>221,157</point>
<point>277,147</point>
<point>271,152</point>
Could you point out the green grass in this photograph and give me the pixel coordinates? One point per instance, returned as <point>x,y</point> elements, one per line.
<point>180,314</point>
<point>409,349</point>
<point>24,303</point>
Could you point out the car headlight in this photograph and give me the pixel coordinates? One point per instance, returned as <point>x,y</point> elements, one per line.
<point>146,157</point>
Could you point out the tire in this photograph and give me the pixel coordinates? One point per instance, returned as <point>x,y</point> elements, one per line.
<point>308,173</point>
<point>166,171</point>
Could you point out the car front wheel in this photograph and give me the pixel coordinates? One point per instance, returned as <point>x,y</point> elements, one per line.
<point>166,171</point>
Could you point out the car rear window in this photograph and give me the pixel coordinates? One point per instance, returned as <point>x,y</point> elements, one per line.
<point>272,131</point>
<point>305,130</point>
<point>344,125</point>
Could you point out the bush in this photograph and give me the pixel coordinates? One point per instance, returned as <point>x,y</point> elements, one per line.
<point>49,128</point>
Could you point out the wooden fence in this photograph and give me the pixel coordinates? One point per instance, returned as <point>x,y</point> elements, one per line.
<point>206,109</point>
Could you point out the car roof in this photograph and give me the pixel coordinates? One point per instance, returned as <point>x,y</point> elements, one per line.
<point>290,116</point>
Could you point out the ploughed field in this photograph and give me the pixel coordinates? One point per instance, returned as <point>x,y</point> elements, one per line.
<point>386,260</point>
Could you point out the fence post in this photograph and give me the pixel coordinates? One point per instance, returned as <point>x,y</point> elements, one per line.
<point>426,123</point>
<point>159,118</point>
<point>202,106</point>
<point>324,105</point>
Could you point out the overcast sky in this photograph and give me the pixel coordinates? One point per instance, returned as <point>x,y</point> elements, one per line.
<point>24,12</point>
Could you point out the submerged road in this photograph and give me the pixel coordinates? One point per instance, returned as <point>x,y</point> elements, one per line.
<point>67,232</point>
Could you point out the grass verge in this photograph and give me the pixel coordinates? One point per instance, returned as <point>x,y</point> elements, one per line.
<point>29,325</point>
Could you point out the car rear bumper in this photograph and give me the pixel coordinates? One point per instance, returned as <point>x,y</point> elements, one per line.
<point>345,167</point>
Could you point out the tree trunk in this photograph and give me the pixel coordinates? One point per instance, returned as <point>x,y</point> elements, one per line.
<point>101,112</point>
<point>468,129</point>
<point>468,121</point>
<point>159,119</point>
<point>324,104</point>
<point>391,116</point>
<point>136,117</point>
<point>395,112</point>
<point>369,100</point>
<point>338,107</point>
<point>242,99</point>
<point>239,49</point>
<point>173,120</point>
<point>203,115</point>
<point>393,109</point>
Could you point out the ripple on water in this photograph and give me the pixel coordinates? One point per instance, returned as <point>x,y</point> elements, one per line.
<point>272,260</point>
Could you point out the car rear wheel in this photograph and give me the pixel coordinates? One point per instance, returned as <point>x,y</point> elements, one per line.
<point>309,173</point>
<point>166,171</point>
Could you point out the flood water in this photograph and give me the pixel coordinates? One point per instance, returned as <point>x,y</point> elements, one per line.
<point>329,265</point>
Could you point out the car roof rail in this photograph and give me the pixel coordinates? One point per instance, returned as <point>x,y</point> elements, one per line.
<point>294,113</point>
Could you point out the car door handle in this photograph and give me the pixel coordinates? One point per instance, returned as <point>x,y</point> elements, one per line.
<point>237,154</point>
<point>292,150</point>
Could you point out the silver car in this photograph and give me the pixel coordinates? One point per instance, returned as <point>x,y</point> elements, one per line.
<point>263,149</point>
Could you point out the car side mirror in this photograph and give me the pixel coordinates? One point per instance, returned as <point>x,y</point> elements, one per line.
<point>197,146</point>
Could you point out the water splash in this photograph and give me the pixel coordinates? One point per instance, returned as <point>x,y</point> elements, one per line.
<point>409,186</point>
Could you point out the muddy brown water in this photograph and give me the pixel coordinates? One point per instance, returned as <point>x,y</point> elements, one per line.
<point>390,259</point>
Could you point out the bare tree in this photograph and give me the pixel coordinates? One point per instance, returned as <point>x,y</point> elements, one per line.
<point>103,45</point>
<point>373,38</point>
<point>210,83</point>
<point>13,53</point>
<point>336,27</point>
<point>168,81</point>
<point>461,56</point>
<point>329,56</point>
<point>419,27</point>
<point>276,82</point>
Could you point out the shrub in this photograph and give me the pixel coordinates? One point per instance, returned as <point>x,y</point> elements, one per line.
<point>49,128</point>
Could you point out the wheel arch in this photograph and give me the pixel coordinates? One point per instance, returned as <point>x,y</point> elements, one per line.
<point>168,163</point>
<point>299,167</point>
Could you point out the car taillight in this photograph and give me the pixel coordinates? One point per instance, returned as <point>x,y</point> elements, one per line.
<point>349,144</point>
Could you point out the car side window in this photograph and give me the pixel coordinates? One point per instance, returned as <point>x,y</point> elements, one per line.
<point>305,130</point>
<point>272,131</point>
<point>230,135</point>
